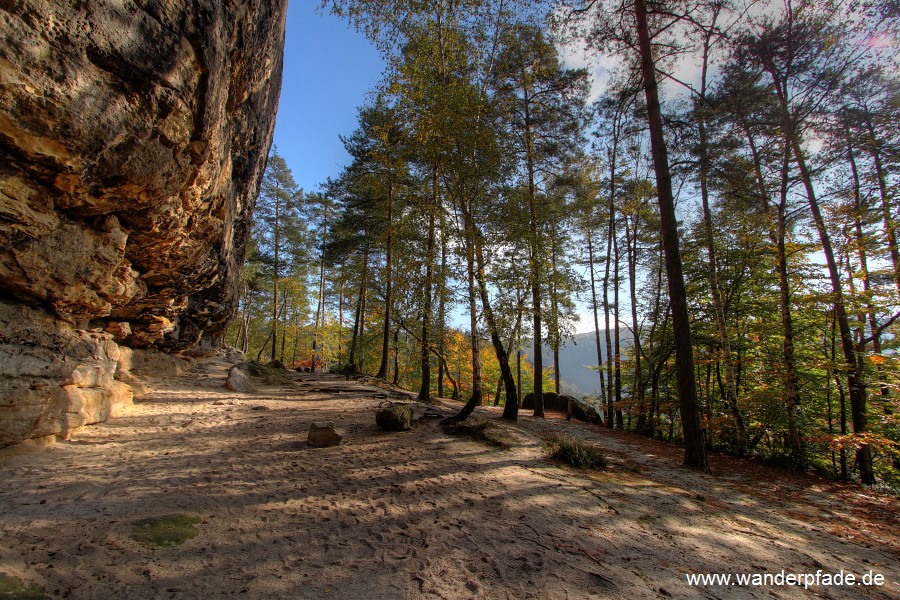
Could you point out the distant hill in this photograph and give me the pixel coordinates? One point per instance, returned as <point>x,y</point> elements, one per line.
<point>577,356</point>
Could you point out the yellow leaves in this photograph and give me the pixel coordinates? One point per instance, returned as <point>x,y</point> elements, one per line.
<point>875,359</point>
<point>854,441</point>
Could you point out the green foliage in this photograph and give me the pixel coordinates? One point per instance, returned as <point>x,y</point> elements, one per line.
<point>273,300</point>
<point>477,128</point>
<point>278,231</point>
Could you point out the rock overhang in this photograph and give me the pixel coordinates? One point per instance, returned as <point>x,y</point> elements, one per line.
<point>133,137</point>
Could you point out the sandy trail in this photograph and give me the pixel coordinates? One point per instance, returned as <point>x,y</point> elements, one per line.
<point>403,515</point>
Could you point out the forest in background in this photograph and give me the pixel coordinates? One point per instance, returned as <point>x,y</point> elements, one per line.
<point>488,187</point>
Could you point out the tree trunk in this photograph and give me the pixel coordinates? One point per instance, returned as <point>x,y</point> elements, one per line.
<point>858,210</point>
<point>340,339</point>
<point>285,309</point>
<point>855,383</point>
<point>511,408</point>
<point>320,308</point>
<point>594,308</point>
<point>890,224</point>
<point>396,380</point>
<point>518,371</point>
<point>274,335</point>
<point>778,233</point>
<point>442,306</point>
<point>477,391</point>
<point>296,342</point>
<point>712,273</point>
<point>611,232</point>
<point>499,391</point>
<point>534,269</point>
<point>388,266</point>
<point>617,349</point>
<point>695,451</point>
<point>276,273</point>
<point>637,387</point>
<point>555,338</point>
<point>425,389</point>
<point>359,320</point>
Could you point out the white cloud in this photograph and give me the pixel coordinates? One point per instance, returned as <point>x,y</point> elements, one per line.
<point>576,55</point>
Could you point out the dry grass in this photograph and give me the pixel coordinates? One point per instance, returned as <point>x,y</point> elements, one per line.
<point>574,452</point>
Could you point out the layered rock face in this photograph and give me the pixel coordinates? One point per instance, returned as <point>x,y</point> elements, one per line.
<point>133,135</point>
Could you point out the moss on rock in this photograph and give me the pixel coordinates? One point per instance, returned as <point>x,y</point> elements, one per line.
<point>11,587</point>
<point>396,417</point>
<point>165,531</point>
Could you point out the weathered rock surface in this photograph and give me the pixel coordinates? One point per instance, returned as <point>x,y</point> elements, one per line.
<point>54,378</point>
<point>396,417</point>
<point>551,401</point>
<point>582,410</point>
<point>238,381</point>
<point>133,135</point>
<point>322,435</point>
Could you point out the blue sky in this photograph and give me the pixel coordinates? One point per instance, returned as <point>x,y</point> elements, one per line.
<point>328,68</point>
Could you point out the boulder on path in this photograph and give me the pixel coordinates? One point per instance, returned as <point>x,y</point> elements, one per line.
<point>583,411</point>
<point>396,417</point>
<point>238,381</point>
<point>270,375</point>
<point>322,435</point>
<point>551,402</point>
<point>253,368</point>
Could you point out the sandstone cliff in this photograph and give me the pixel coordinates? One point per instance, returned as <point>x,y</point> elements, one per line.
<point>133,135</point>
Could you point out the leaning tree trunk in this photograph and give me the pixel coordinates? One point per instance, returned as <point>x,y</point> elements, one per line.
<point>511,408</point>
<point>858,210</point>
<point>890,224</point>
<point>855,383</point>
<point>695,451</point>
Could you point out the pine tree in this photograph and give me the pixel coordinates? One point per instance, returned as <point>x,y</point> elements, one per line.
<point>278,231</point>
